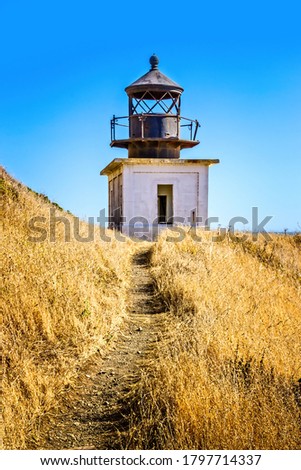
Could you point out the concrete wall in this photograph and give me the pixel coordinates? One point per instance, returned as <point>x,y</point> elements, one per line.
<point>140,191</point>
<point>115,198</point>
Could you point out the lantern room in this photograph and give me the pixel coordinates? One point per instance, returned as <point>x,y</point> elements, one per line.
<point>154,123</point>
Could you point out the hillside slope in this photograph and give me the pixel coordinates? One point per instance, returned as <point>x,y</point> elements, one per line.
<point>63,300</point>
<point>219,368</point>
<point>230,378</point>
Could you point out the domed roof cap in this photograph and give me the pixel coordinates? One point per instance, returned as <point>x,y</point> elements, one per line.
<point>155,82</point>
<point>154,61</point>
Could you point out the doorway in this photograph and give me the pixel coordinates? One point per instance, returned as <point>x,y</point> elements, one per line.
<point>165,203</point>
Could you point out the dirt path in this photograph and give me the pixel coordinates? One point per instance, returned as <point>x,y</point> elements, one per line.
<point>95,414</point>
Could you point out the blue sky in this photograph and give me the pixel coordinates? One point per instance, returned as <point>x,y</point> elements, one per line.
<point>65,64</point>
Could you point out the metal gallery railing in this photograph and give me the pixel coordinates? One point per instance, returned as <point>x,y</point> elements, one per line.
<point>191,125</point>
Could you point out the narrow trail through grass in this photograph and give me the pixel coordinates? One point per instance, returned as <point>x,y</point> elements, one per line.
<point>96,409</point>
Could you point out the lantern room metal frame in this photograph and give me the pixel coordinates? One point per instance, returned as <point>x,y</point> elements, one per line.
<point>154,122</point>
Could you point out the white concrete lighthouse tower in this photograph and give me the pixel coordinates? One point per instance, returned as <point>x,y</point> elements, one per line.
<point>153,188</point>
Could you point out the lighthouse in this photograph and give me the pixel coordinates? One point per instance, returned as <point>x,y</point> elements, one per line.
<point>153,188</point>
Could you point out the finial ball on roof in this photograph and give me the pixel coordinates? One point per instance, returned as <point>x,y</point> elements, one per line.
<point>154,61</point>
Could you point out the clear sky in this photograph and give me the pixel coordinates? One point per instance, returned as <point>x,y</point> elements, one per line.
<point>65,64</point>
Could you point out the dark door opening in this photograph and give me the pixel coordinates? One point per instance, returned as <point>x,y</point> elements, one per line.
<point>165,204</point>
<point>162,209</point>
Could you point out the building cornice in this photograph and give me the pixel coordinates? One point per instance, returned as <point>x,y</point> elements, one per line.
<point>119,162</point>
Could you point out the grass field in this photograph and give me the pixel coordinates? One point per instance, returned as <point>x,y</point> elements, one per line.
<point>62,301</point>
<point>227,376</point>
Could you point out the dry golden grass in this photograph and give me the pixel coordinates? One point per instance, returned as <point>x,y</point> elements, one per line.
<point>228,375</point>
<point>62,302</point>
